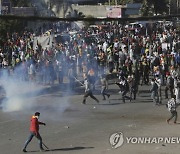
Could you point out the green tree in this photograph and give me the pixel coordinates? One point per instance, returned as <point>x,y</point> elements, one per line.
<point>75,14</point>
<point>160,6</point>
<point>146,9</point>
<point>151,7</point>
<point>63,5</point>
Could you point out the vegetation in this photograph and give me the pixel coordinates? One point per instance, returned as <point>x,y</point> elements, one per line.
<point>149,7</point>
<point>75,14</point>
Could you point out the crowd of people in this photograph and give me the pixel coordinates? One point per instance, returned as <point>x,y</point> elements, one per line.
<point>134,54</point>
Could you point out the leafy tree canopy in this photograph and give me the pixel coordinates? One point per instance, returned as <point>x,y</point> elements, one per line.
<point>149,7</point>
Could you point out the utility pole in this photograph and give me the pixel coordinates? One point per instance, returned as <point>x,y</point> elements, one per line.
<point>116,2</point>
<point>63,9</point>
<point>169,7</point>
<point>0,7</point>
<point>178,6</point>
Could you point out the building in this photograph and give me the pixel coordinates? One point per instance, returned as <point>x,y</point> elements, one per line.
<point>5,6</point>
<point>86,2</point>
<point>23,11</point>
<point>174,7</point>
<point>115,11</point>
<point>133,9</point>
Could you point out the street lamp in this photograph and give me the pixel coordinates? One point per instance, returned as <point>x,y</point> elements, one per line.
<point>116,2</point>
<point>0,7</point>
<point>169,7</point>
<point>178,6</point>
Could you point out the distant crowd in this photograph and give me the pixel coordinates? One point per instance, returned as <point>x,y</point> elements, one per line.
<point>138,52</point>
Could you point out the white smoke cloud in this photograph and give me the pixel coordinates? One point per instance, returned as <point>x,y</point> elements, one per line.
<point>15,93</point>
<point>24,97</point>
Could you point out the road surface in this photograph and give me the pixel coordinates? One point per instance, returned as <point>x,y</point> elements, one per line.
<point>74,128</point>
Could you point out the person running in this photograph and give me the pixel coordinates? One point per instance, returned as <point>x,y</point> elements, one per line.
<point>171,105</point>
<point>34,131</point>
<point>124,88</point>
<point>88,91</point>
<point>133,86</point>
<point>104,86</point>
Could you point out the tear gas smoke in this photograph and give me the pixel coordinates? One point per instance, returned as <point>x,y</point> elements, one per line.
<point>24,97</point>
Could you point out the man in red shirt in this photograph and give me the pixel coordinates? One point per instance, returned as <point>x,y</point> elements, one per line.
<point>34,131</point>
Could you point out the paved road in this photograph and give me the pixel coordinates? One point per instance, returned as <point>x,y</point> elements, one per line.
<point>73,128</point>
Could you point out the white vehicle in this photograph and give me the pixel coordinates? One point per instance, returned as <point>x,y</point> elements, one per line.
<point>166,23</point>
<point>133,26</point>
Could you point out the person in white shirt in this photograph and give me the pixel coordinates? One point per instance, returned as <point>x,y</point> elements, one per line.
<point>171,105</point>
<point>159,83</point>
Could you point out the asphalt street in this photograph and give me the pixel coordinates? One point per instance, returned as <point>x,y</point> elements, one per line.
<point>74,128</point>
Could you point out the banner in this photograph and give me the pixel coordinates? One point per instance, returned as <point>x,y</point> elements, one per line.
<point>114,12</point>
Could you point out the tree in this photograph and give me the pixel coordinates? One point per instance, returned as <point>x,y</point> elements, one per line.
<point>62,5</point>
<point>75,14</point>
<point>151,7</point>
<point>146,9</point>
<point>160,6</point>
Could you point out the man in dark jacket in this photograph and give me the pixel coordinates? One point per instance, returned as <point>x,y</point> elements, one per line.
<point>88,91</point>
<point>133,86</point>
<point>124,88</point>
<point>169,85</point>
<point>34,131</point>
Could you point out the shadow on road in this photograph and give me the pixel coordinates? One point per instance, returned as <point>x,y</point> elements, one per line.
<point>144,91</point>
<point>65,149</point>
<point>70,149</point>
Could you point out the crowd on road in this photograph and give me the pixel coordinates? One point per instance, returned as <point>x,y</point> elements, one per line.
<point>135,54</point>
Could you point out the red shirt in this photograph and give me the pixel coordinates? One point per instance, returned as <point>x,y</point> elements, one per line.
<point>34,126</point>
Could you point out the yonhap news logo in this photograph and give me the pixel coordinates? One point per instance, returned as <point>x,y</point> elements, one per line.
<point>117,140</point>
